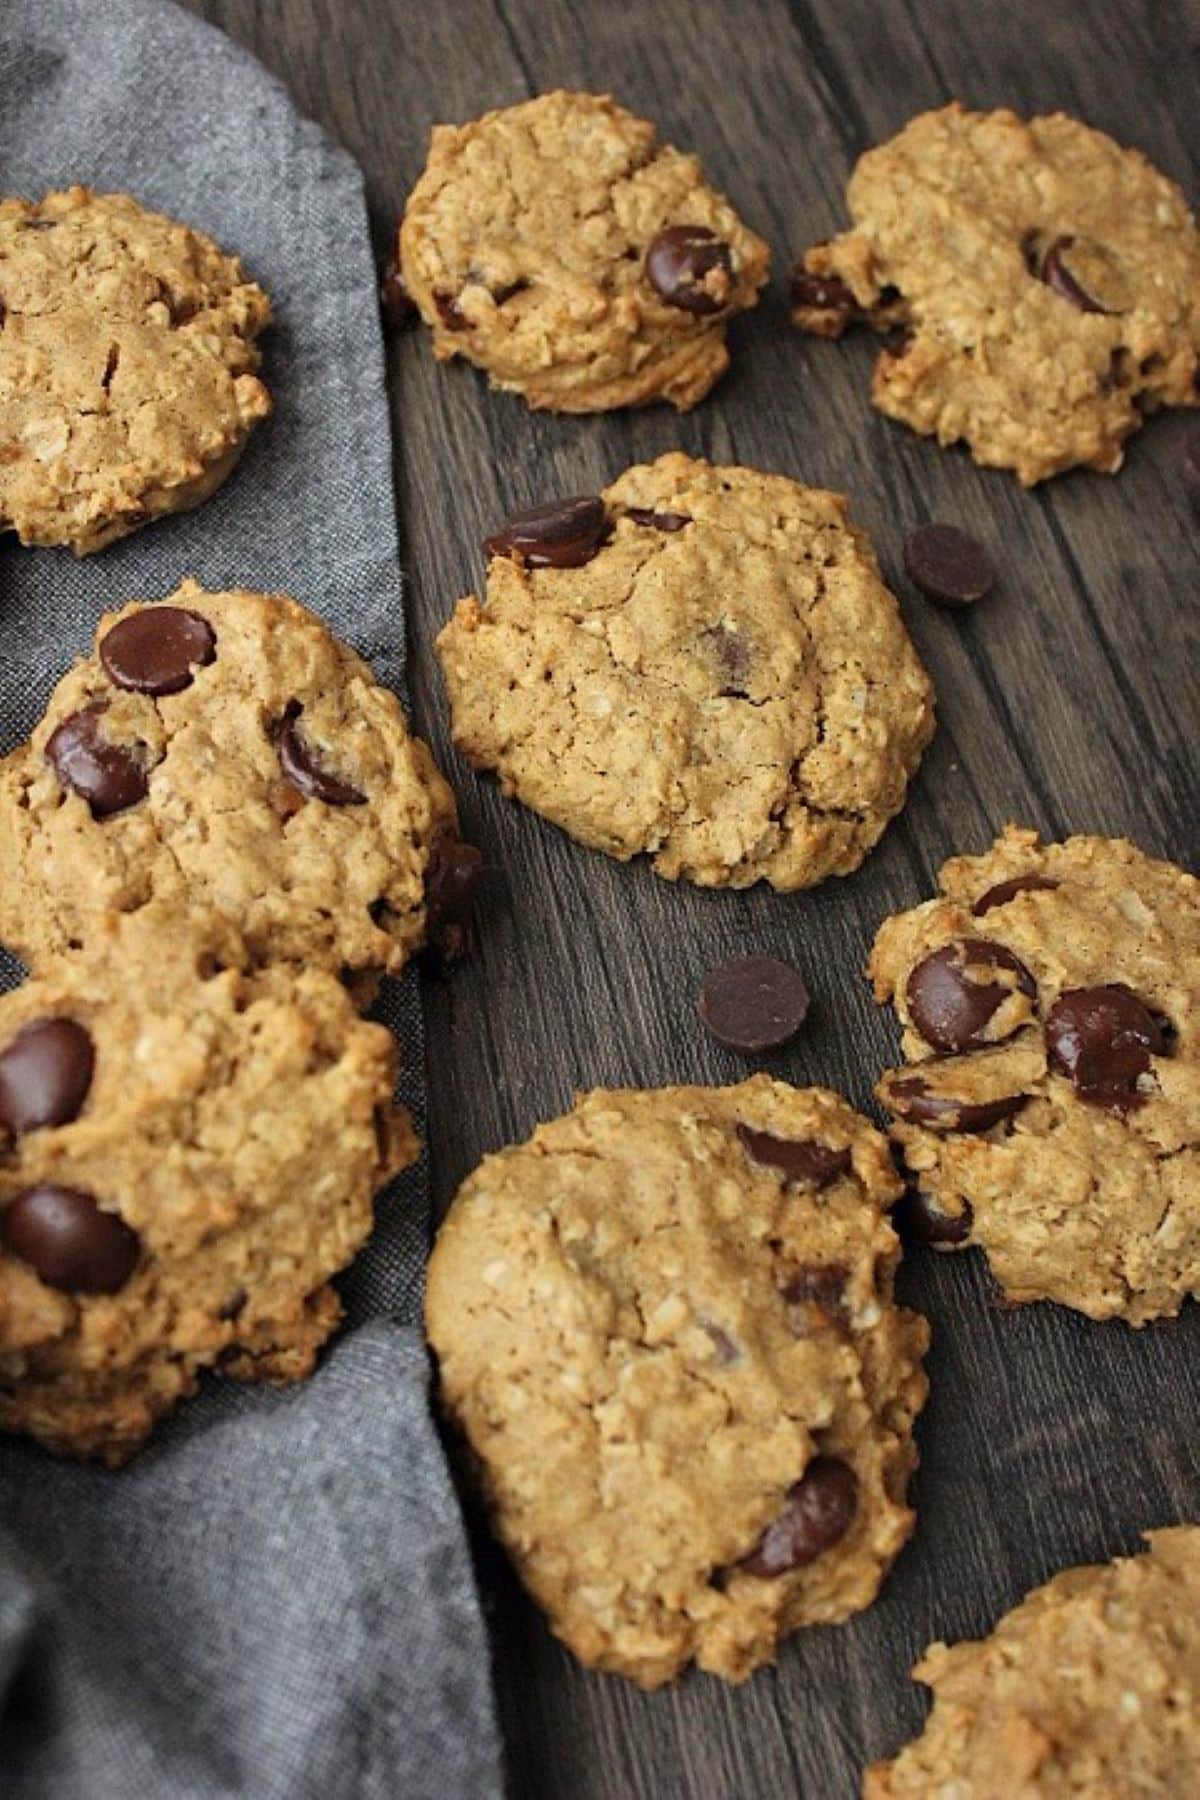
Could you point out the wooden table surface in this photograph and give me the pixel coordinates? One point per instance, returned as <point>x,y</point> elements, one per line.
<point>1068,701</point>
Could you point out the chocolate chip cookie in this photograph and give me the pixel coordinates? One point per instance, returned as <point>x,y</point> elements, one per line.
<point>1039,286</point>
<point>1050,1109</point>
<point>1091,1686</point>
<point>225,749</point>
<point>127,367</point>
<point>666,1326</point>
<point>702,664</point>
<point>189,1147</point>
<point>582,263</point>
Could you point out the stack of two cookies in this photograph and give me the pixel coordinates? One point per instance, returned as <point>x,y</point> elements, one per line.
<point>216,841</point>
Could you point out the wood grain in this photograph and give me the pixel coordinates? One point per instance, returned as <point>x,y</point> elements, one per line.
<point>1067,701</point>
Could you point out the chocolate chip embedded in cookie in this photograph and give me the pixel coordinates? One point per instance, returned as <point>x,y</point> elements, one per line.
<point>1088,1687</point>
<point>1046,280</point>
<point>1049,1110</point>
<point>561,247</point>
<point>701,664</point>
<point>225,750</point>
<point>189,1149</point>
<point>127,367</point>
<point>666,1326</point>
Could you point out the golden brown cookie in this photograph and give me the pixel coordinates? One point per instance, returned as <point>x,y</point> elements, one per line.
<point>702,664</point>
<point>666,1326</point>
<point>1040,286</point>
<point>1089,1688</point>
<point>189,1148</point>
<point>226,750</point>
<point>1050,1107</point>
<point>582,263</point>
<point>128,382</point>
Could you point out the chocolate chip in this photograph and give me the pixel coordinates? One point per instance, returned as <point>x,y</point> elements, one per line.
<point>45,1074</point>
<point>451,883</point>
<point>1102,1039</point>
<point>733,658</point>
<point>234,1307</point>
<point>818,1512</point>
<point>910,1098</point>
<point>110,777</point>
<point>753,1004</point>
<point>821,293</point>
<point>727,1352</point>
<point>560,534</point>
<point>1004,891</point>
<point>821,1283</point>
<point>922,1220</point>
<point>302,769</point>
<point>158,651</point>
<point>951,1009</point>
<point>661,521</point>
<point>949,567</point>
<point>1055,273</point>
<point>67,1240</point>
<point>450,313</point>
<point>681,265</point>
<point>395,302</point>
<point>799,1159</point>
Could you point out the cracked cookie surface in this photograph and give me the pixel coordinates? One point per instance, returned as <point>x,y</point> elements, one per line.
<point>225,749</point>
<point>1045,282</point>
<point>724,683</point>
<point>666,1326</point>
<point>561,247</point>
<point>1090,1686</point>
<point>189,1150</point>
<point>128,362</point>
<point>1050,1108</point>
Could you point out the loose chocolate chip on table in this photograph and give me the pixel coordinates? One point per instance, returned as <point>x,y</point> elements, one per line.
<point>949,567</point>
<point>754,1003</point>
<point>799,1159</point>
<point>68,1241</point>
<point>451,884</point>
<point>662,521</point>
<point>302,769</point>
<point>919,1218</point>
<point>1055,273</point>
<point>159,650</point>
<point>950,1009</point>
<point>910,1098</point>
<point>821,293</point>
<point>1004,891</point>
<point>396,303</point>
<point>818,1512</point>
<point>45,1074</point>
<point>822,1283</point>
<point>560,534</point>
<point>679,263</point>
<point>1102,1039</point>
<point>110,777</point>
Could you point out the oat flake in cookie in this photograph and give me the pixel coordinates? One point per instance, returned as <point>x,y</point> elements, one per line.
<point>1090,1687</point>
<point>560,246</point>
<point>226,750</point>
<point>1040,286</point>
<point>666,1326</point>
<point>189,1149</point>
<point>702,664</point>
<point>1050,1107</point>
<point>128,382</point>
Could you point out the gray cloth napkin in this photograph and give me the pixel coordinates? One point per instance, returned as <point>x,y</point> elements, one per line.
<point>275,1599</point>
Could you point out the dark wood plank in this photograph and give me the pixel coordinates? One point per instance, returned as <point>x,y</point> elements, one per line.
<point>1069,701</point>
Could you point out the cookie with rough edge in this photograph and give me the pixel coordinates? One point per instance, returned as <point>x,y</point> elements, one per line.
<point>665,1325</point>
<point>128,367</point>
<point>1039,286</point>
<point>1049,1109</point>
<point>563,248</point>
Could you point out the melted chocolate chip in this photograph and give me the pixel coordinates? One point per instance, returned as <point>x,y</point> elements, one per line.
<point>821,293</point>
<point>110,777</point>
<point>753,1004</point>
<point>397,305</point>
<point>799,1159</point>
<point>950,568</point>
<point>451,884</point>
<point>1055,273</point>
<point>560,534</point>
<point>300,765</point>
<point>68,1241</point>
<point>1102,1039</point>
<point>733,657</point>
<point>950,1009</point>
<point>911,1099</point>
<point>158,650</point>
<point>1004,891</point>
<point>681,264</point>
<point>45,1074</point>
<point>451,313</point>
<point>920,1219</point>
<point>661,521</point>
<point>821,1283</point>
<point>818,1512</point>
